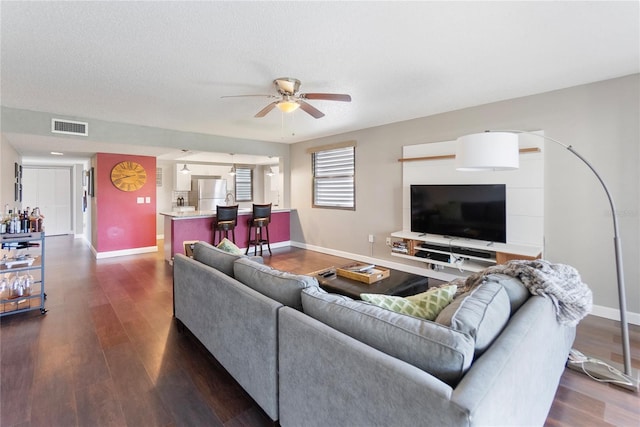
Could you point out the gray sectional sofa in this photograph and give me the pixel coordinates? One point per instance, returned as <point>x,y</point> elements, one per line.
<point>310,358</point>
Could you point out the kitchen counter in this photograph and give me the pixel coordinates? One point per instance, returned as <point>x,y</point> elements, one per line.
<point>183,208</point>
<point>203,214</point>
<point>181,227</point>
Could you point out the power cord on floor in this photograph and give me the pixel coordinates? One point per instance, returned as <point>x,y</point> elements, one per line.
<point>576,358</point>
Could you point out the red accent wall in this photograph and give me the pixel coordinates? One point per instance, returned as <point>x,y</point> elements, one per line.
<point>122,223</point>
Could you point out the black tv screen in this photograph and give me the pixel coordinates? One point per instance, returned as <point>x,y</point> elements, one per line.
<point>474,211</point>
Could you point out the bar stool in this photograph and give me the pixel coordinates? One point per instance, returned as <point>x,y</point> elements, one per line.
<point>226,220</point>
<point>260,220</point>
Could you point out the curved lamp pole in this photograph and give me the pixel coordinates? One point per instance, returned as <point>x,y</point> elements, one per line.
<point>622,301</point>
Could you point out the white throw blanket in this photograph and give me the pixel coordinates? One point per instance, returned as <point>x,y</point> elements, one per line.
<point>561,283</point>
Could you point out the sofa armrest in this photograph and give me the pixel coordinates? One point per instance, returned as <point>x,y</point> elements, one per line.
<point>515,380</point>
<point>235,323</point>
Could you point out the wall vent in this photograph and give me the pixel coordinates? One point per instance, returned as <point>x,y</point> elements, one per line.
<point>69,127</point>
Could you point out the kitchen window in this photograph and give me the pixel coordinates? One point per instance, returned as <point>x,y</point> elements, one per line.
<point>244,184</point>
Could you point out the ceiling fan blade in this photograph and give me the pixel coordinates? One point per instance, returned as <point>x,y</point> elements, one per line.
<point>327,96</point>
<point>242,96</point>
<point>308,108</point>
<point>266,109</point>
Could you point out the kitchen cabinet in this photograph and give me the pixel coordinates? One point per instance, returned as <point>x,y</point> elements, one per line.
<point>182,181</point>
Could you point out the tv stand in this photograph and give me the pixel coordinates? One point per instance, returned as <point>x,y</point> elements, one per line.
<point>462,254</point>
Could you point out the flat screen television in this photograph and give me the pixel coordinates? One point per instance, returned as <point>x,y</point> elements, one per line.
<point>473,211</point>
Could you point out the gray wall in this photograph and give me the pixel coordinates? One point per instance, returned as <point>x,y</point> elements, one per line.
<point>600,120</point>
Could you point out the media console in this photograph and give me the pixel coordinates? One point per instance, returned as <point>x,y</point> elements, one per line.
<point>462,254</point>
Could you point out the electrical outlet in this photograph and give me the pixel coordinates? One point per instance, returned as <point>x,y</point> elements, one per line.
<point>388,241</point>
<point>371,238</point>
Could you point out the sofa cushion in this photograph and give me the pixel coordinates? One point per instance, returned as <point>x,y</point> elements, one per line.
<point>516,290</point>
<point>228,246</point>
<point>482,313</point>
<point>214,257</point>
<point>425,305</point>
<point>438,350</point>
<point>279,285</point>
<point>219,259</point>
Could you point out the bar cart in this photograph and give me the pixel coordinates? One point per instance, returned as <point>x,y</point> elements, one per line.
<point>22,273</point>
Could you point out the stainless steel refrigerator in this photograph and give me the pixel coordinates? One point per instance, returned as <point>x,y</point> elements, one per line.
<point>206,193</point>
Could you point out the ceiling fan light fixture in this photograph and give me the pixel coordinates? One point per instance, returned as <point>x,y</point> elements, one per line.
<point>287,106</point>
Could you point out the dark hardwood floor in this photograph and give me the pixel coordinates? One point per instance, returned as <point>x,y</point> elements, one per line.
<point>108,353</point>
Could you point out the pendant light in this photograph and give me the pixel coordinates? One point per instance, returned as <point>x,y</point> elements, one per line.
<point>185,170</point>
<point>232,171</point>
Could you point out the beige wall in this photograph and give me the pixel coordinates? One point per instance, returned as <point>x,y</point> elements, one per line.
<point>600,120</point>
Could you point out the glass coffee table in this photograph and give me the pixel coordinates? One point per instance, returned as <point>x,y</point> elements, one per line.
<point>399,283</point>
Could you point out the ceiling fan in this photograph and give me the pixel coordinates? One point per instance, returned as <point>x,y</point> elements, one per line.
<point>288,98</point>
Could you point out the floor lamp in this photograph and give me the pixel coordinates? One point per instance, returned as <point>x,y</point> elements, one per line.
<point>499,150</point>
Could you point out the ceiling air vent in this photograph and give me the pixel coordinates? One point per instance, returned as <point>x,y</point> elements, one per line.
<point>69,127</point>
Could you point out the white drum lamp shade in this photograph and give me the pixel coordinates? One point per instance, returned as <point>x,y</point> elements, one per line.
<point>487,151</point>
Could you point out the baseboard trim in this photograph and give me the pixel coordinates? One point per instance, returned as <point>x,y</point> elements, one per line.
<point>135,251</point>
<point>614,314</point>
<point>599,311</point>
<point>275,245</point>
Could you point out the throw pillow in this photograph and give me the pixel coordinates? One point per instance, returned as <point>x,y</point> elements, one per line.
<point>435,299</point>
<point>426,305</point>
<point>228,246</point>
<point>397,304</point>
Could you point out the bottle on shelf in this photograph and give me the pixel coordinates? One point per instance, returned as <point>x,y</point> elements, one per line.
<point>25,222</point>
<point>11,229</point>
<point>4,220</point>
<point>18,224</point>
<point>36,220</point>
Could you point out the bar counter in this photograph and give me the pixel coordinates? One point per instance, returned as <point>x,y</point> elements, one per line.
<point>180,227</point>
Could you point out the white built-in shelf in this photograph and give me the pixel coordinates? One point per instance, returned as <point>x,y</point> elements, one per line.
<point>463,254</point>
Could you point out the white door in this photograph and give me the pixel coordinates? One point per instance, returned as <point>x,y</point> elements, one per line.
<point>50,190</point>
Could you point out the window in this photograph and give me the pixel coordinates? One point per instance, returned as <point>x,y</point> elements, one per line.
<point>334,178</point>
<point>244,184</point>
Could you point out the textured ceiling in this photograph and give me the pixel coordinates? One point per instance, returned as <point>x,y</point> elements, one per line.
<point>167,64</point>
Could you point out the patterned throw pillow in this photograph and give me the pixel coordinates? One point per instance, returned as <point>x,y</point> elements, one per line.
<point>228,246</point>
<point>435,299</point>
<point>426,305</point>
